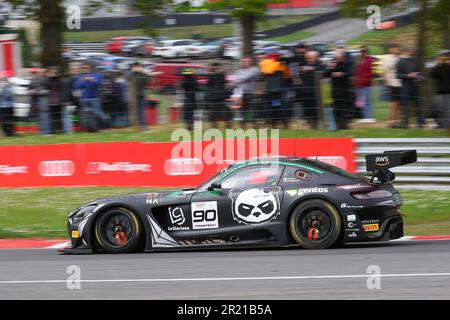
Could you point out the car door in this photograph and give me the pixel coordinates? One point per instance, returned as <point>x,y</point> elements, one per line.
<point>238,199</point>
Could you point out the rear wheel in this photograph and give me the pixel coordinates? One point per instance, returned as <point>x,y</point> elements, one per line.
<point>118,230</point>
<point>315,224</point>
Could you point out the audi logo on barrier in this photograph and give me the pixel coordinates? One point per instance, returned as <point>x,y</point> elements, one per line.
<point>57,168</point>
<point>183,166</point>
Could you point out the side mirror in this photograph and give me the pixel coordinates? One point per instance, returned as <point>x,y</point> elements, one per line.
<point>215,185</point>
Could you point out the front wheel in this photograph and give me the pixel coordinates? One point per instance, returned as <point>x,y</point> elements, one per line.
<point>118,230</point>
<point>315,224</point>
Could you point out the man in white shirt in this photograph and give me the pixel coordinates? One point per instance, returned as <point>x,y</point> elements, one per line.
<point>394,84</point>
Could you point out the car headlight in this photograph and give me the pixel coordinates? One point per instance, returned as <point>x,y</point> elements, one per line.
<point>81,214</point>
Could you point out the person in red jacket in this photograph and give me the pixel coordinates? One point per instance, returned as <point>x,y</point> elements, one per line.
<point>363,83</point>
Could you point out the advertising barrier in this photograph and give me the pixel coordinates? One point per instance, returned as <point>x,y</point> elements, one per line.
<point>165,164</point>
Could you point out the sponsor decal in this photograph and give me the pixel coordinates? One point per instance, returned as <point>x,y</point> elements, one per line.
<point>177,218</point>
<point>351,217</point>
<point>290,180</point>
<point>346,206</point>
<point>382,161</point>
<point>351,225</point>
<point>127,167</point>
<point>371,227</point>
<point>183,167</point>
<point>56,168</point>
<point>204,215</point>
<point>256,205</point>
<point>153,198</point>
<point>75,234</point>
<point>352,235</point>
<point>10,170</point>
<point>304,191</point>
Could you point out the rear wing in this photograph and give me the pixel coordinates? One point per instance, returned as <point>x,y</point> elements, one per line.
<point>379,163</point>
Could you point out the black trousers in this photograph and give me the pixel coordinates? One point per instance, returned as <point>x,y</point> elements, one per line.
<point>56,118</point>
<point>7,120</point>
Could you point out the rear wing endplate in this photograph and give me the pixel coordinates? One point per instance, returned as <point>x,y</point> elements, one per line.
<point>379,163</point>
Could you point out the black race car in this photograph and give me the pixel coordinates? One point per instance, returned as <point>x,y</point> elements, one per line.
<point>257,203</point>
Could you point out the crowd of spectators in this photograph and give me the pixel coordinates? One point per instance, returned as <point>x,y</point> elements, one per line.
<point>271,87</point>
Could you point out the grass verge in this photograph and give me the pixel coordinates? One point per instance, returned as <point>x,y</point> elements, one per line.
<point>376,40</point>
<point>45,210</point>
<point>208,31</point>
<point>163,134</point>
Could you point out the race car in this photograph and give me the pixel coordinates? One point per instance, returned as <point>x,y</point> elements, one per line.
<point>263,202</point>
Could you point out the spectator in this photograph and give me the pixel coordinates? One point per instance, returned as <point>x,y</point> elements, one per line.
<point>89,84</point>
<point>6,105</point>
<point>53,86</point>
<point>363,81</point>
<point>245,82</point>
<point>120,113</point>
<point>108,95</point>
<point>66,102</point>
<point>340,72</point>
<point>275,73</point>
<point>309,90</point>
<point>39,100</point>
<point>441,75</point>
<point>216,95</point>
<point>408,71</point>
<point>391,81</point>
<point>190,87</point>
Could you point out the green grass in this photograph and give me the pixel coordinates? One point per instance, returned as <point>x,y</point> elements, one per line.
<point>163,133</point>
<point>208,31</point>
<point>45,210</point>
<point>376,40</point>
<point>299,35</point>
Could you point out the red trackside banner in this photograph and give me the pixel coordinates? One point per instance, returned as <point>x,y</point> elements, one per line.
<point>130,164</point>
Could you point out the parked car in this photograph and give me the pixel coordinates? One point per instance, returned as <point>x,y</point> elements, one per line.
<point>210,49</point>
<point>171,75</point>
<point>130,45</point>
<point>114,45</point>
<point>113,62</point>
<point>173,48</point>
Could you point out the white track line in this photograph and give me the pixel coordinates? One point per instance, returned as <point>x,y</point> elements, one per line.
<point>393,275</point>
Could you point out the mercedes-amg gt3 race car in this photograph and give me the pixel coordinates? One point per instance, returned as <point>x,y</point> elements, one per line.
<point>256,203</point>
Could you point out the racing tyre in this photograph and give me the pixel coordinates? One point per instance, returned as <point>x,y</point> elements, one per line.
<point>118,230</point>
<point>315,224</point>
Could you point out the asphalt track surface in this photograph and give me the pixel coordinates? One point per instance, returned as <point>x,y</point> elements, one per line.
<point>409,270</point>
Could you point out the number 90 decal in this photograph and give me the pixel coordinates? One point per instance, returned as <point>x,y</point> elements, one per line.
<point>204,215</point>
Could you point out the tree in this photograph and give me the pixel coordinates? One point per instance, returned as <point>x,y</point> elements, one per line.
<point>51,16</point>
<point>248,12</point>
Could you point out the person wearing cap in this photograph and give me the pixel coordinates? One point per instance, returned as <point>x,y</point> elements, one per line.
<point>6,105</point>
<point>408,71</point>
<point>441,75</point>
<point>391,81</point>
<point>363,82</point>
